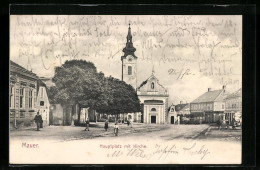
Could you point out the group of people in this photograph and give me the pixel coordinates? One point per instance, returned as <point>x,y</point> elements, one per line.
<point>38,120</point>
<point>116,126</point>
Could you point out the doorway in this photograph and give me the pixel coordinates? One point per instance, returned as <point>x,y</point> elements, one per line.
<point>153,119</point>
<point>172,119</point>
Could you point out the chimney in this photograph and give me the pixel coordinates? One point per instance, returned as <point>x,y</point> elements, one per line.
<point>180,102</point>
<point>209,89</point>
<point>224,87</point>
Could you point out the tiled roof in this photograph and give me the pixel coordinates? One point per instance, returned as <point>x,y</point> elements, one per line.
<point>235,94</point>
<point>186,107</point>
<point>178,107</point>
<point>16,67</point>
<point>208,96</point>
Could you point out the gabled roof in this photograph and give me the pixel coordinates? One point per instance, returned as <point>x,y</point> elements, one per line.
<point>235,94</point>
<point>210,96</point>
<point>186,107</point>
<point>144,82</point>
<point>17,68</point>
<point>179,107</point>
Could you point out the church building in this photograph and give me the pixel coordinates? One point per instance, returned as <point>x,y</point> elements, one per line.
<point>154,98</point>
<point>152,95</point>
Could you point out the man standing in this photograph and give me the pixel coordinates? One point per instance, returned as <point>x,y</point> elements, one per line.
<point>106,125</point>
<point>116,128</point>
<point>87,124</point>
<point>38,120</point>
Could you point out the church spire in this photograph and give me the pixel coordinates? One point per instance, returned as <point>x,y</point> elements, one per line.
<point>129,48</point>
<point>129,35</point>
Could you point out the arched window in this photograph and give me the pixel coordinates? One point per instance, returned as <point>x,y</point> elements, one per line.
<point>153,109</point>
<point>152,85</point>
<point>129,70</point>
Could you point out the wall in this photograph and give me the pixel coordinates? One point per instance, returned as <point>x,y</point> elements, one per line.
<point>24,114</point>
<point>233,104</point>
<point>56,114</point>
<point>130,79</point>
<point>43,105</point>
<point>159,113</point>
<point>219,106</point>
<point>201,107</point>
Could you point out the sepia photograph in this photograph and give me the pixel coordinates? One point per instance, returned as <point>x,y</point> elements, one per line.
<point>125,89</point>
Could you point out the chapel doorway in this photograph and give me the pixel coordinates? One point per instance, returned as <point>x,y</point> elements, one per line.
<point>153,119</point>
<point>172,119</point>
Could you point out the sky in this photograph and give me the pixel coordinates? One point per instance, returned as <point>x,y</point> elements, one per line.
<point>189,53</point>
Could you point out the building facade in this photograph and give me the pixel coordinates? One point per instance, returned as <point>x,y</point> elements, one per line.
<point>172,117</point>
<point>210,105</point>
<point>42,103</point>
<point>154,98</point>
<point>22,96</point>
<point>233,106</point>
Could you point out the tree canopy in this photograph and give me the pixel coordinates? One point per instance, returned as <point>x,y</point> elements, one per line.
<point>78,82</point>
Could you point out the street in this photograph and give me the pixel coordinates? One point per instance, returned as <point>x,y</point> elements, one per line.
<point>139,130</point>
<point>74,145</point>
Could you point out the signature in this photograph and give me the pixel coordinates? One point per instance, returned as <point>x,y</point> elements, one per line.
<point>202,151</point>
<point>180,74</point>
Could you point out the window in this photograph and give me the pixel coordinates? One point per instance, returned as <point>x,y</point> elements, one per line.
<point>11,102</point>
<point>22,114</point>
<point>41,103</point>
<point>30,98</point>
<point>11,114</point>
<point>223,106</point>
<point>152,85</point>
<point>21,97</point>
<point>153,109</point>
<point>129,70</point>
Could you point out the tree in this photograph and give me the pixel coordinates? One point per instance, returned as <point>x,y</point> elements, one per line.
<point>78,83</point>
<point>70,79</point>
<point>119,97</point>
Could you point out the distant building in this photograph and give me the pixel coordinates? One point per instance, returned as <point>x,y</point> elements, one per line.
<point>211,104</point>
<point>233,105</point>
<point>182,108</point>
<point>22,95</point>
<point>42,103</point>
<point>172,114</point>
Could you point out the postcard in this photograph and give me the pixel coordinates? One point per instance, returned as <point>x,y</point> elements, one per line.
<point>125,89</point>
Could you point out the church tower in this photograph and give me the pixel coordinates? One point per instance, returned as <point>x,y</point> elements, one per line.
<point>129,62</point>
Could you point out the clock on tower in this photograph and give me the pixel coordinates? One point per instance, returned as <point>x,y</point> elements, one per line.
<point>129,62</point>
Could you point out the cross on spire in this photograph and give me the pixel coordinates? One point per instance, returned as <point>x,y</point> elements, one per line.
<point>129,49</point>
<point>153,70</point>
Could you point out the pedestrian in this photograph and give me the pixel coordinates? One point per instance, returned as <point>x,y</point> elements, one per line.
<point>233,123</point>
<point>87,124</point>
<point>128,122</point>
<point>131,123</point>
<point>38,120</point>
<point>106,125</point>
<point>116,128</point>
